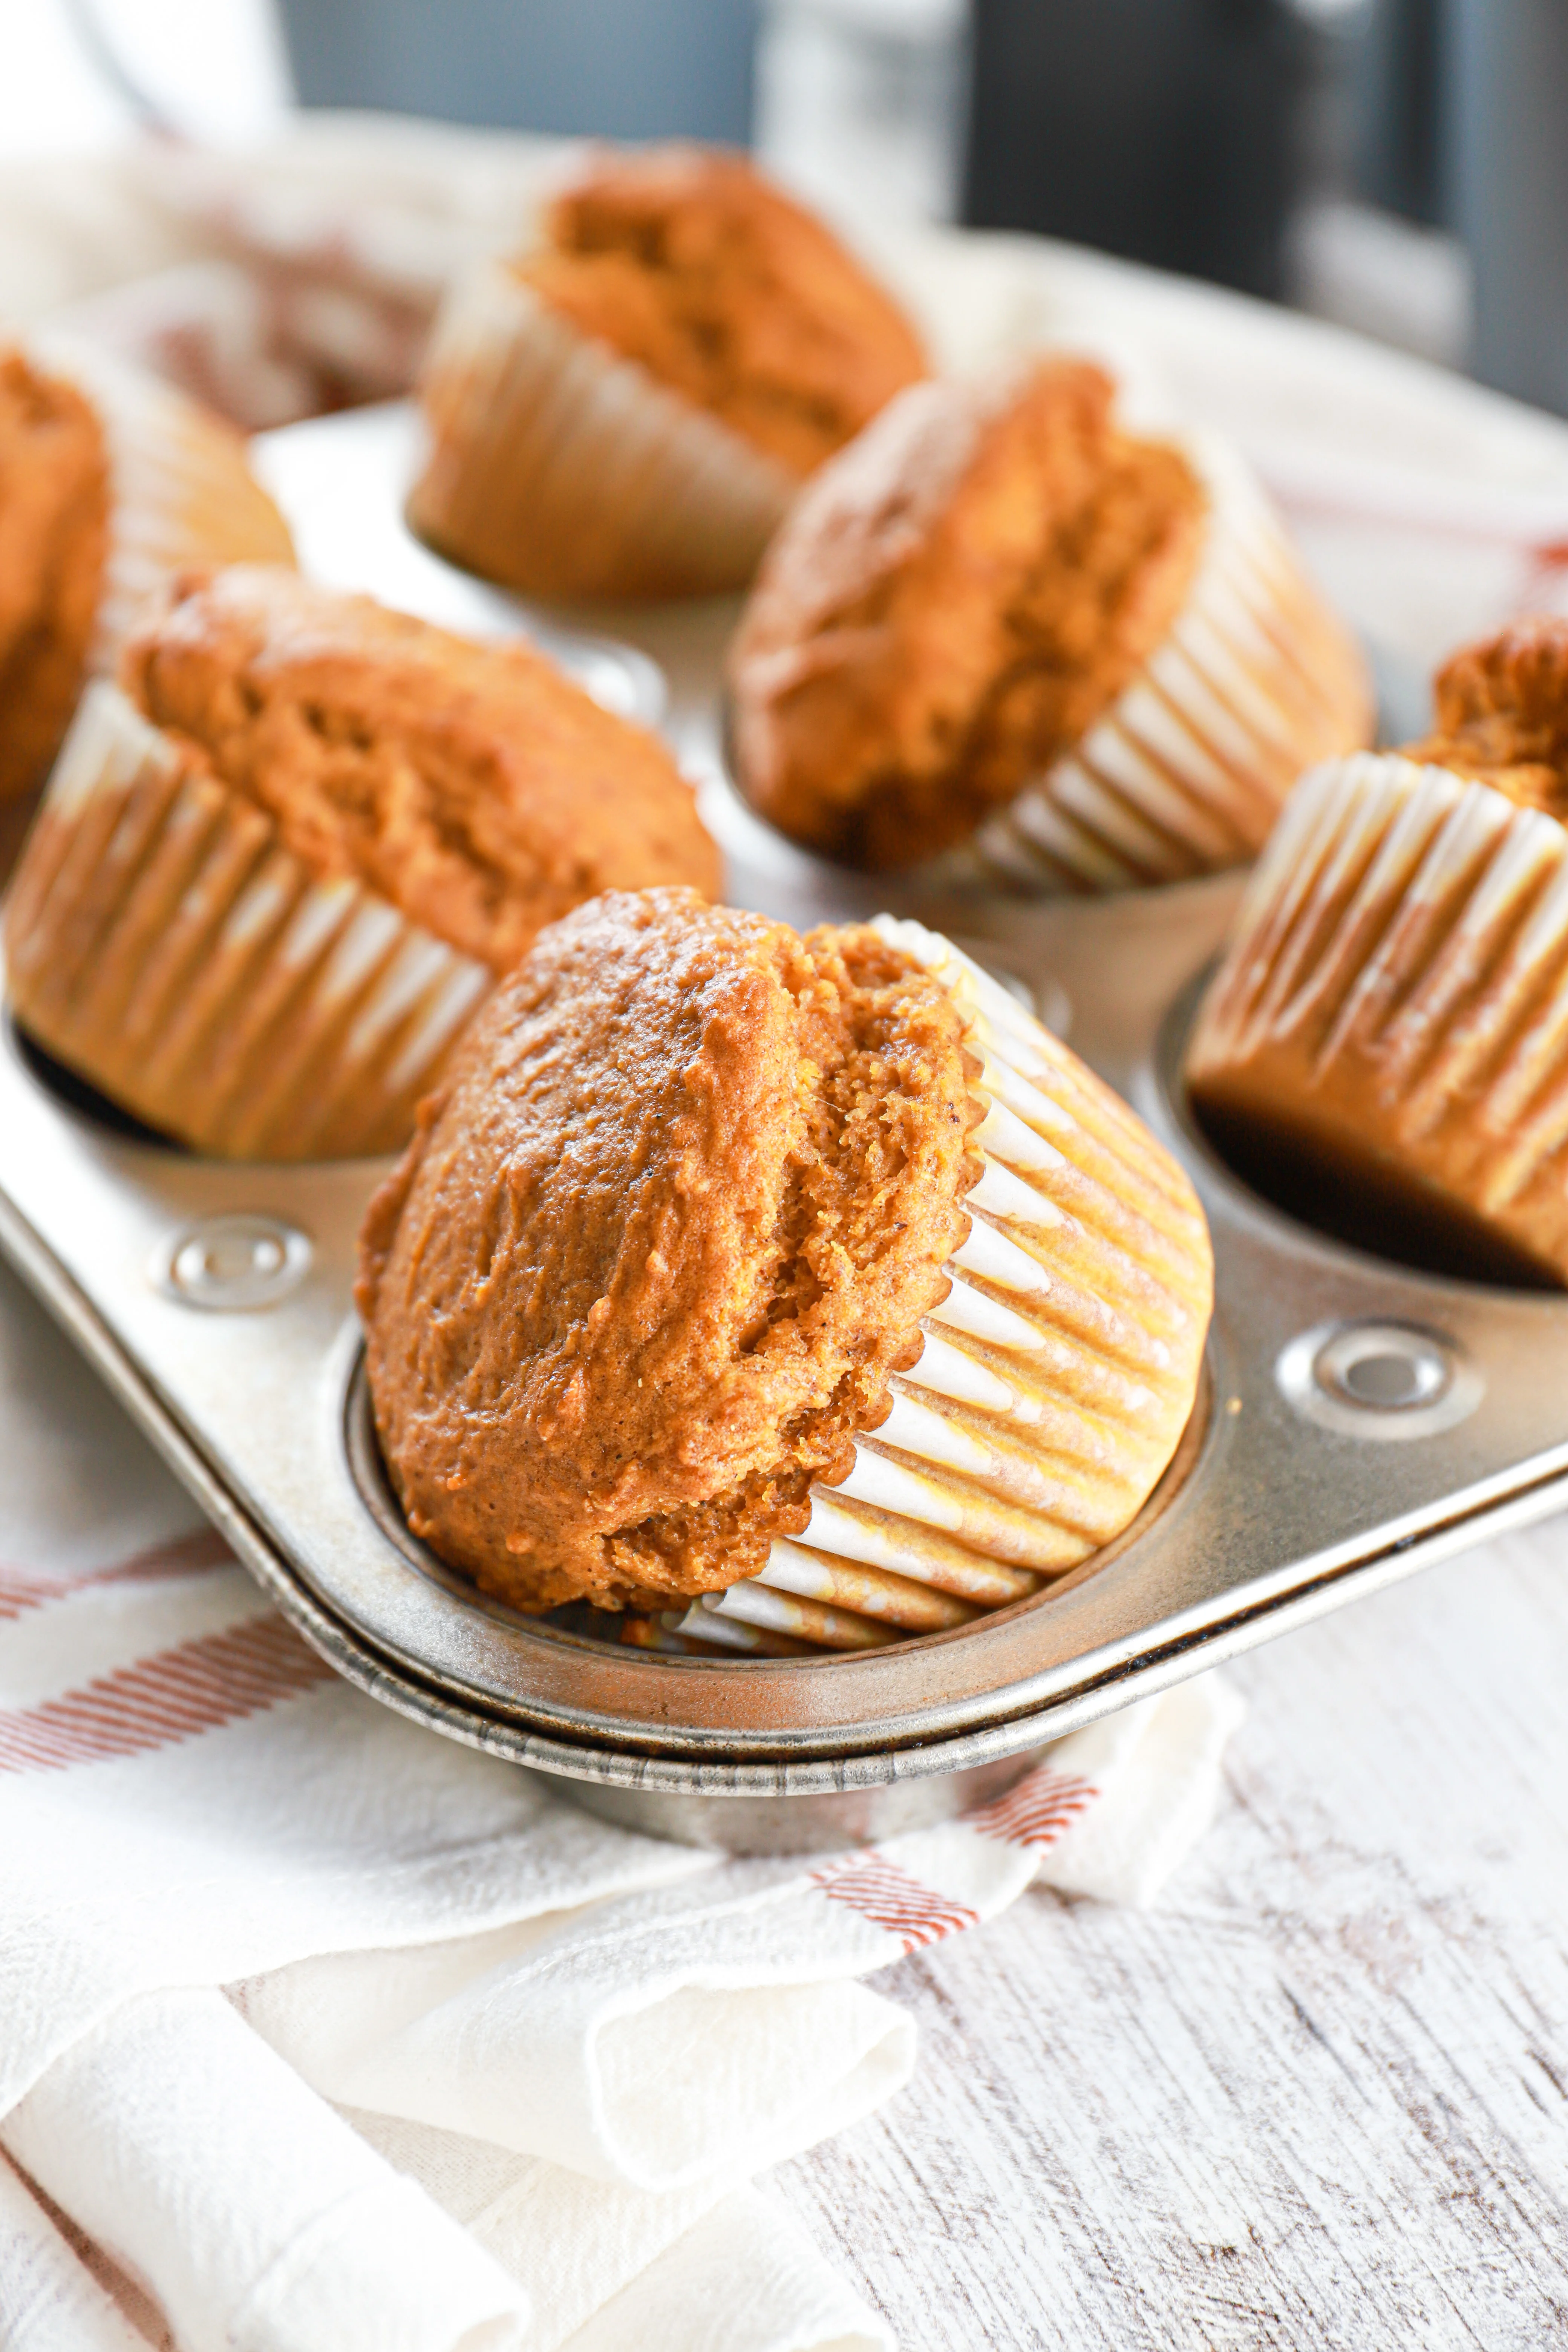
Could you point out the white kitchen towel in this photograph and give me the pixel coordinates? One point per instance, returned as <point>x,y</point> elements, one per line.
<point>48,2300</point>
<point>578,2041</point>
<point>201,2163</point>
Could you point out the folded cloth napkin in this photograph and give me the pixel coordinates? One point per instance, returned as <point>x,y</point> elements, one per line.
<point>330,2033</point>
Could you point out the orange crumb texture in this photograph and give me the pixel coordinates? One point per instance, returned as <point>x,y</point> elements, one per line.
<point>54,526</point>
<point>950,605</point>
<point>690,262</point>
<point>1502,714</point>
<point>473,785</point>
<point>648,1262</point>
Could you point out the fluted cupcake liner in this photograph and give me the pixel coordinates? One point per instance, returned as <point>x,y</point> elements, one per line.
<point>182,494</point>
<point>1397,983</point>
<point>559,468</point>
<point>1055,1379</point>
<point>163,943</point>
<point>1185,773</point>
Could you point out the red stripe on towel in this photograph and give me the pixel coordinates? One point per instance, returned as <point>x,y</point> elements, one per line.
<point>1036,1811</point>
<point>34,1587</point>
<point>172,1696</point>
<point>889,1897</point>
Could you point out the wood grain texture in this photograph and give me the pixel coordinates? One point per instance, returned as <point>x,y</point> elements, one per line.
<point>1318,2097</point>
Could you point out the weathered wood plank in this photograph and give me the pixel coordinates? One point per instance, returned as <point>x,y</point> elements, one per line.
<point>1320,2097</point>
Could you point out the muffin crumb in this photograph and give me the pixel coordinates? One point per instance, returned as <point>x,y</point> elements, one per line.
<point>1502,714</point>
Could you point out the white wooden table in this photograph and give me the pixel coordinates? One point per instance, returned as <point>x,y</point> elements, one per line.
<point>1318,2097</point>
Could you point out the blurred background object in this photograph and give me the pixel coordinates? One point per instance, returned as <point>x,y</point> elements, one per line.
<point>1504,113</point>
<point>1161,130</point>
<point>1398,166</point>
<point>623,69</point>
<point>861,103</point>
<point>79,72</point>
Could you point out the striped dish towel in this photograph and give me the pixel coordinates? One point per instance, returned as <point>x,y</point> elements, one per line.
<point>320,2033</point>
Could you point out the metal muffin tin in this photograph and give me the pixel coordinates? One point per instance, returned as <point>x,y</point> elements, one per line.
<point>1358,1420</point>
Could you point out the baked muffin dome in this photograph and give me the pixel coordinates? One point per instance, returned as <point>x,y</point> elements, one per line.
<point>276,871</point>
<point>54,533</point>
<point>722,1241</point>
<point>626,409</point>
<point>646,1266</point>
<point>1391,1017</point>
<point>109,481</point>
<point>997,618</point>
<point>690,262</point>
<point>475,786</point>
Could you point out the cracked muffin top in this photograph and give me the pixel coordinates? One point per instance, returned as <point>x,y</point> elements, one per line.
<point>473,785</point>
<point>1502,714</point>
<point>54,531</point>
<point>950,606</point>
<point>690,262</point>
<point>647,1264</point>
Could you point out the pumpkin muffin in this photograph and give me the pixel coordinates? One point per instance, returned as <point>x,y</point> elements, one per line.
<point>1000,624</point>
<point>1389,1028</point>
<point>720,1238</point>
<point>279,867</point>
<point>103,475</point>
<point>626,408</point>
<point>54,530</point>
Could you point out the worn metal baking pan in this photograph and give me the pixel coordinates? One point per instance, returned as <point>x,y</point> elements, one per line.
<point>1359,1419</point>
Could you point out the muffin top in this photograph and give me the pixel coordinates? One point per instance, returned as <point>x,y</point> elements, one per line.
<point>1502,714</point>
<point>54,520</point>
<point>950,605</point>
<point>692,263</point>
<point>645,1266</point>
<point>473,785</point>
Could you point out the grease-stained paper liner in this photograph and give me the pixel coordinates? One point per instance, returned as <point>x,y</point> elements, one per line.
<point>1055,1380</point>
<point>181,490</point>
<point>1185,773</point>
<point>161,941</point>
<point>1397,988</point>
<point>563,469</point>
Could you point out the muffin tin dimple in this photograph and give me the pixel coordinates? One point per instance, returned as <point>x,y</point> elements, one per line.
<point>1287,1500</point>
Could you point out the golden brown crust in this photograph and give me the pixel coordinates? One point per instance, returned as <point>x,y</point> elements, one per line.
<point>54,524</point>
<point>694,265</point>
<point>474,786</point>
<point>649,1261</point>
<point>1502,714</point>
<point>950,605</point>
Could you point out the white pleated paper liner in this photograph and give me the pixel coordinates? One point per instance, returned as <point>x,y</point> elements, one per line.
<point>1396,989</point>
<point>161,943</point>
<point>560,468</point>
<point>1185,775</point>
<point>182,494</point>
<point>1054,1381</point>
